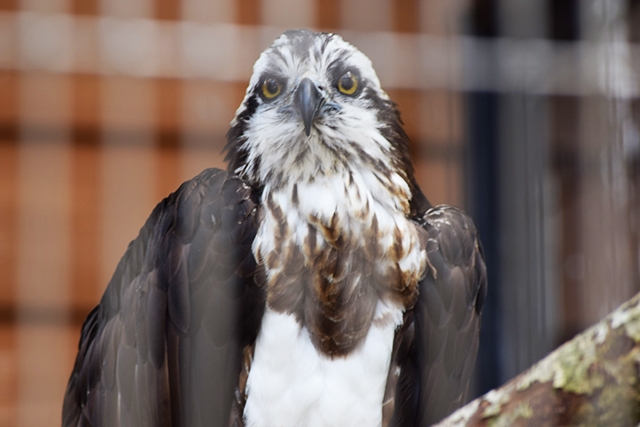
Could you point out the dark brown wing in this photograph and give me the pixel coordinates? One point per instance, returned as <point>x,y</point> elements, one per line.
<point>164,346</point>
<point>436,347</point>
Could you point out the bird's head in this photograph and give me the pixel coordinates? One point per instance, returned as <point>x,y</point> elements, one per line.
<point>314,105</point>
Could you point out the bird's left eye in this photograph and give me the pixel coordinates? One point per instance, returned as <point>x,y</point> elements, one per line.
<point>271,88</point>
<point>348,83</point>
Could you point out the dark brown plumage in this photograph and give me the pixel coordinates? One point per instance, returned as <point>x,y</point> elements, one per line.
<point>175,317</point>
<point>173,341</point>
<point>436,347</point>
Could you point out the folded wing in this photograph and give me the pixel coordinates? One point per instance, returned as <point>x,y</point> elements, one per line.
<point>164,345</point>
<point>436,348</point>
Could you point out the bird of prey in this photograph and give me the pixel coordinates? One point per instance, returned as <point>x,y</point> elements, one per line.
<point>309,284</point>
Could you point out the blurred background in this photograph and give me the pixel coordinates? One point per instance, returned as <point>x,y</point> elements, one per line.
<point>525,113</point>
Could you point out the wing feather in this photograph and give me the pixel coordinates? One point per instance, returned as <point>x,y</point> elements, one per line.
<point>164,346</point>
<point>434,371</point>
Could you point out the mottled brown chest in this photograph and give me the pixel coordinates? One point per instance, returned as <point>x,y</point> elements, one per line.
<point>331,273</point>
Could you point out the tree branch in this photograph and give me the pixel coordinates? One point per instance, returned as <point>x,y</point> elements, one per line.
<point>592,380</point>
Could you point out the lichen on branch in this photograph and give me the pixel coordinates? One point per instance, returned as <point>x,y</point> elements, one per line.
<point>592,380</point>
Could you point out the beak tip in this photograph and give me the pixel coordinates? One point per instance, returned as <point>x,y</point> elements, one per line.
<point>308,101</point>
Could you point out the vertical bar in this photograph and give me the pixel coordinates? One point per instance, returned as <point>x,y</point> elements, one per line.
<point>8,5</point>
<point>208,108</point>
<point>439,147</point>
<point>169,144</point>
<point>529,293</point>
<point>208,11</point>
<point>288,13</point>
<point>128,165</point>
<point>85,7</point>
<point>529,299</point>
<point>481,111</point>
<point>248,12</point>
<point>43,272</point>
<point>167,9</point>
<point>483,199</point>
<point>565,145</point>
<point>85,173</point>
<point>608,138</point>
<point>45,6</point>
<point>9,137</point>
<point>327,14</point>
<point>406,16</point>
<point>442,17</point>
<point>127,8</point>
<point>8,375</point>
<point>9,85</point>
<point>367,16</point>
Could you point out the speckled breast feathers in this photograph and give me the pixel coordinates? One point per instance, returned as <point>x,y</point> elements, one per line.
<point>337,188</point>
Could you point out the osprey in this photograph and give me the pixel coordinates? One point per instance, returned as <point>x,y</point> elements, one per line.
<point>310,284</point>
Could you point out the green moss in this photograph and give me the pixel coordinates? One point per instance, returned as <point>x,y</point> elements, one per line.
<point>595,375</point>
<point>609,397</point>
<point>572,373</point>
<point>521,412</point>
<point>495,399</point>
<point>568,368</point>
<point>628,316</point>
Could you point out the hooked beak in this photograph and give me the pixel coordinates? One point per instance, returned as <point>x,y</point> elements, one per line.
<point>308,100</point>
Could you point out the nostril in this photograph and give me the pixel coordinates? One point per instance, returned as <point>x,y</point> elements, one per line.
<point>330,107</point>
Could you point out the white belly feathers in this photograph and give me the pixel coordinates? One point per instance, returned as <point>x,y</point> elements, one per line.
<point>292,384</point>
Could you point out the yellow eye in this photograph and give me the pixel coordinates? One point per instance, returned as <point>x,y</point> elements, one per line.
<point>348,83</point>
<point>271,88</point>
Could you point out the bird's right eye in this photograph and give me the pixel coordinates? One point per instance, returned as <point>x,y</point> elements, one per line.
<point>271,88</point>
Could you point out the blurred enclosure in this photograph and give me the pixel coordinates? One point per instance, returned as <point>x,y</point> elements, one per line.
<point>526,113</point>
